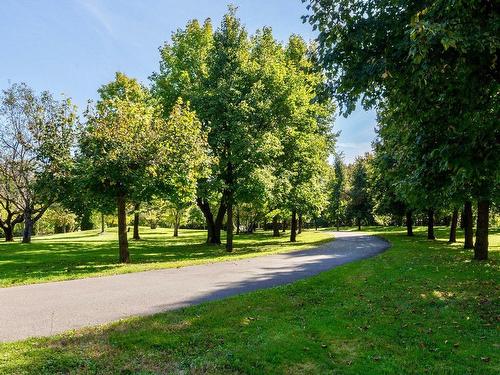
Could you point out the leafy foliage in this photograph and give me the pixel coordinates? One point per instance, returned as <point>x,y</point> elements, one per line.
<point>430,67</point>
<point>36,138</point>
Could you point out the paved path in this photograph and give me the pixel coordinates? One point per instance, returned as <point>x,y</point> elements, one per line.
<point>50,308</point>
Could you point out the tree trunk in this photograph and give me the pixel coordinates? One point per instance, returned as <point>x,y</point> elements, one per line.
<point>430,225</point>
<point>453,226</point>
<point>283,223</point>
<point>216,238</point>
<point>9,233</point>
<point>28,226</point>
<point>103,226</point>
<point>293,227</point>
<point>122,230</point>
<point>481,246</point>
<point>177,223</point>
<point>213,226</point>
<point>299,231</point>
<point>358,220</point>
<point>276,228</point>
<point>338,225</point>
<point>230,228</point>
<point>210,232</point>
<point>10,223</point>
<point>238,223</point>
<point>409,223</point>
<point>136,221</point>
<point>468,226</point>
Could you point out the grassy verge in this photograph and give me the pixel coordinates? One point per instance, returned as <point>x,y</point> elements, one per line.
<point>86,254</point>
<point>420,307</point>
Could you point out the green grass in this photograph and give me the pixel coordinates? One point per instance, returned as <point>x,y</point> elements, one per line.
<point>86,254</point>
<point>422,307</point>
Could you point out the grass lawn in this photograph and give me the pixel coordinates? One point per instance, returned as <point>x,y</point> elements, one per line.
<point>420,307</point>
<point>86,254</point>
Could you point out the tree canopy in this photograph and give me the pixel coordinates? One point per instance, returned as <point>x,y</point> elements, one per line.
<point>430,68</point>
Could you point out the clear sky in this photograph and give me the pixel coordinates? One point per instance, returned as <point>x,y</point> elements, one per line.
<point>74,46</point>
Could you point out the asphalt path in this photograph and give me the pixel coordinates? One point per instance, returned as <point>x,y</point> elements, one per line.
<point>54,307</point>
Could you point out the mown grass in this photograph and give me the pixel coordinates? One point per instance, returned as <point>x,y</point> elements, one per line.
<point>422,307</point>
<point>86,254</point>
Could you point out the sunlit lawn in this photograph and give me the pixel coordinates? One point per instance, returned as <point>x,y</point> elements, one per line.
<point>85,254</point>
<point>422,307</point>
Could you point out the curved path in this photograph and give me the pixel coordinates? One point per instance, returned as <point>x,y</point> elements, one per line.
<point>47,309</point>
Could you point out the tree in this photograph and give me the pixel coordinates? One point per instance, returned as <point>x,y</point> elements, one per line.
<point>178,209</point>
<point>360,205</point>
<point>406,53</point>
<point>36,137</point>
<point>137,207</point>
<point>117,147</point>
<point>468,226</point>
<point>183,68</point>
<point>336,187</point>
<point>459,53</point>
<point>130,152</point>
<point>10,214</point>
<point>233,138</point>
<point>453,226</point>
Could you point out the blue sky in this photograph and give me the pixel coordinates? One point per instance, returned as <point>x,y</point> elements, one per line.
<point>74,46</point>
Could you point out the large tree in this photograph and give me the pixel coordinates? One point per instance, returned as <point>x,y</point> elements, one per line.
<point>130,152</point>
<point>233,138</point>
<point>36,137</point>
<point>437,61</point>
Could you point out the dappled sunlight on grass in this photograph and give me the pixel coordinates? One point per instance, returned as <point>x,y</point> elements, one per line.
<point>85,254</point>
<point>442,295</point>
